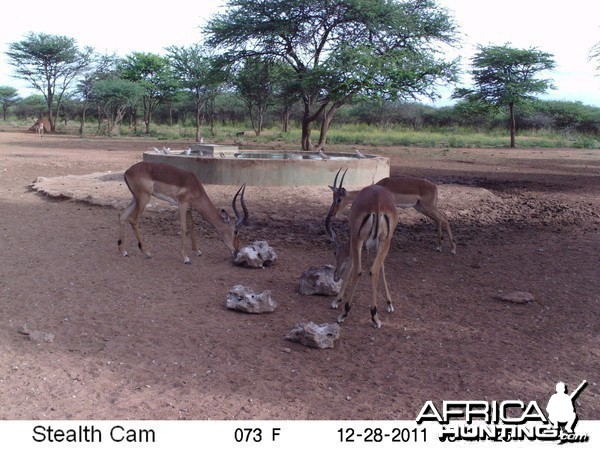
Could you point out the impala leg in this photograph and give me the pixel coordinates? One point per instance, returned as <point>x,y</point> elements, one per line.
<point>354,272</point>
<point>353,282</point>
<point>192,232</point>
<point>439,219</point>
<point>375,268</point>
<point>432,214</point>
<point>183,219</point>
<point>390,307</point>
<point>449,231</point>
<point>133,221</point>
<point>442,220</point>
<point>123,219</point>
<point>345,279</point>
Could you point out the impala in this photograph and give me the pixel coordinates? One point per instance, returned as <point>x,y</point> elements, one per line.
<point>373,219</point>
<point>183,189</point>
<point>409,192</point>
<point>38,127</point>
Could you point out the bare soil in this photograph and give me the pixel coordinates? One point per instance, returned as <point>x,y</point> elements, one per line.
<point>138,338</point>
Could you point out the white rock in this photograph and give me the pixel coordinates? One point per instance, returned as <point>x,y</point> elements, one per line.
<point>319,281</point>
<point>313,335</point>
<point>244,299</point>
<point>256,255</point>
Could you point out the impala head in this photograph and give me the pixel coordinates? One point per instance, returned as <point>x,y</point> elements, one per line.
<point>341,249</point>
<point>340,199</point>
<point>231,238</point>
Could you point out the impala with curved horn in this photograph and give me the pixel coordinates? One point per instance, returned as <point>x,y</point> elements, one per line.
<point>409,192</point>
<point>373,219</point>
<point>183,189</point>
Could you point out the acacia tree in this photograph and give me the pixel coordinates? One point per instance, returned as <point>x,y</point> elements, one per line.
<point>153,73</point>
<point>8,97</point>
<point>340,49</point>
<point>117,96</point>
<point>49,63</point>
<point>257,83</point>
<point>196,72</point>
<point>506,77</point>
<point>104,67</point>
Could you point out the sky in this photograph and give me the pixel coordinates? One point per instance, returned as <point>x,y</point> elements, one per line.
<point>566,30</point>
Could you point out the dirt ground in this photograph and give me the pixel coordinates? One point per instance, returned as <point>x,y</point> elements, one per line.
<point>138,338</point>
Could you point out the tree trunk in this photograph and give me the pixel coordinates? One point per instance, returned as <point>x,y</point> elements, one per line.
<point>198,125</point>
<point>257,119</point>
<point>328,117</point>
<point>49,101</point>
<point>511,107</point>
<point>285,119</point>
<point>306,142</point>
<point>83,117</point>
<point>306,121</point>
<point>134,120</point>
<point>100,119</point>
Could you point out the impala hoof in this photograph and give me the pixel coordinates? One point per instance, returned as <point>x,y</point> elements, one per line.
<point>125,253</point>
<point>186,260</point>
<point>390,308</point>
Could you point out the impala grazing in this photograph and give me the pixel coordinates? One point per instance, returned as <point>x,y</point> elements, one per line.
<point>373,219</point>
<point>182,188</point>
<point>409,192</point>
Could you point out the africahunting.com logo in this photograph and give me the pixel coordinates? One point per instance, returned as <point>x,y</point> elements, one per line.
<point>509,420</point>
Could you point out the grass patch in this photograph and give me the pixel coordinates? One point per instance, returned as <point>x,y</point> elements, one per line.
<point>348,134</point>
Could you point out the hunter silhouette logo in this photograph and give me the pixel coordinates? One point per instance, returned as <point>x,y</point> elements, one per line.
<point>508,420</point>
<point>561,407</point>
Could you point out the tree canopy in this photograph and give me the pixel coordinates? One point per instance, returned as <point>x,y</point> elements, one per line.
<point>507,76</point>
<point>195,69</point>
<point>8,97</point>
<point>340,49</point>
<point>258,82</point>
<point>49,63</point>
<point>116,96</point>
<point>153,73</point>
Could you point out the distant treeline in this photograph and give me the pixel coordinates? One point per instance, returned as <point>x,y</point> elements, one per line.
<point>230,109</point>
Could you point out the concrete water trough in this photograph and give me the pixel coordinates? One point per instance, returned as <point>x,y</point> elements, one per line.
<point>227,165</point>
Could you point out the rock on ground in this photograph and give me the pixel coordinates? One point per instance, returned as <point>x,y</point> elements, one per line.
<point>313,335</point>
<point>319,281</point>
<point>256,255</point>
<point>244,299</point>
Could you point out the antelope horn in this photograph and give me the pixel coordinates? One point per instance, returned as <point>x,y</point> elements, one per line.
<point>239,221</point>
<point>342,180</point>
<point>334,187</point>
